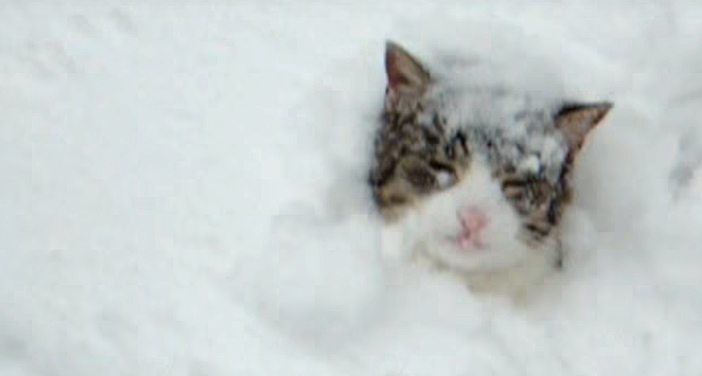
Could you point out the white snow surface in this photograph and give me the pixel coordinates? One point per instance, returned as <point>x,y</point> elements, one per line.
<point>183,191</point>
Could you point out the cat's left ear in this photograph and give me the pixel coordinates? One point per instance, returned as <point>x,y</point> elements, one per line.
<point>576,120</point>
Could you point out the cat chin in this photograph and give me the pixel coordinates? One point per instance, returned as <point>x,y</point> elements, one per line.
<point>447,252</point>
<point>489,271</point>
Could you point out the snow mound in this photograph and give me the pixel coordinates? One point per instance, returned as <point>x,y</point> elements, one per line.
<point>184,191</point>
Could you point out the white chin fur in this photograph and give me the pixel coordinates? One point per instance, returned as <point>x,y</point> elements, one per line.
<point>428,230</point>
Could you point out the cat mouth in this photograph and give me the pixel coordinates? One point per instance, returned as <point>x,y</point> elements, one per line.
<point>466,242</point>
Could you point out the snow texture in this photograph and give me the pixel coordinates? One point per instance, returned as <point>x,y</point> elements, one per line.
<point>184,191</point>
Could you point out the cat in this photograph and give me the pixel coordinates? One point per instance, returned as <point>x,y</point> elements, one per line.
<point>480,177</point>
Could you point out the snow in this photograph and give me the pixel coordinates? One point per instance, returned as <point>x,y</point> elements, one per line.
<point>184,192</point>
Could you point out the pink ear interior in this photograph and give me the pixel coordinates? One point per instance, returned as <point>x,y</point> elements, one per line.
<point>576,121</point>
<point>393,73</point>
<point>404,72</point>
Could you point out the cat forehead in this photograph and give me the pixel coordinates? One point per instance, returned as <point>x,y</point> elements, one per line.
<point>499,107</point>
<point>540,154</point>
<point>505,128</point>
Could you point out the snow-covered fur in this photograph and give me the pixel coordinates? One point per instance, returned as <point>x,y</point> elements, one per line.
<point>446,148</point>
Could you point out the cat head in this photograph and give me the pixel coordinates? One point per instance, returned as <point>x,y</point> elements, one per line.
<point>483,173</point>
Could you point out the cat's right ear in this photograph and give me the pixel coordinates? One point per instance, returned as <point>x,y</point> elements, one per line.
<point>404,72</point>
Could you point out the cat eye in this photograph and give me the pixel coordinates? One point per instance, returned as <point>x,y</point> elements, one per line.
<point>539,229</point>
<point>530,189</point>
<point>444,174</point>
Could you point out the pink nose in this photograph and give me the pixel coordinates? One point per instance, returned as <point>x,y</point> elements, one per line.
<point>472,221</point>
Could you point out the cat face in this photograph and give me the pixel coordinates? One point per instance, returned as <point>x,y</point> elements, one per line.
<point>483,175</point>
